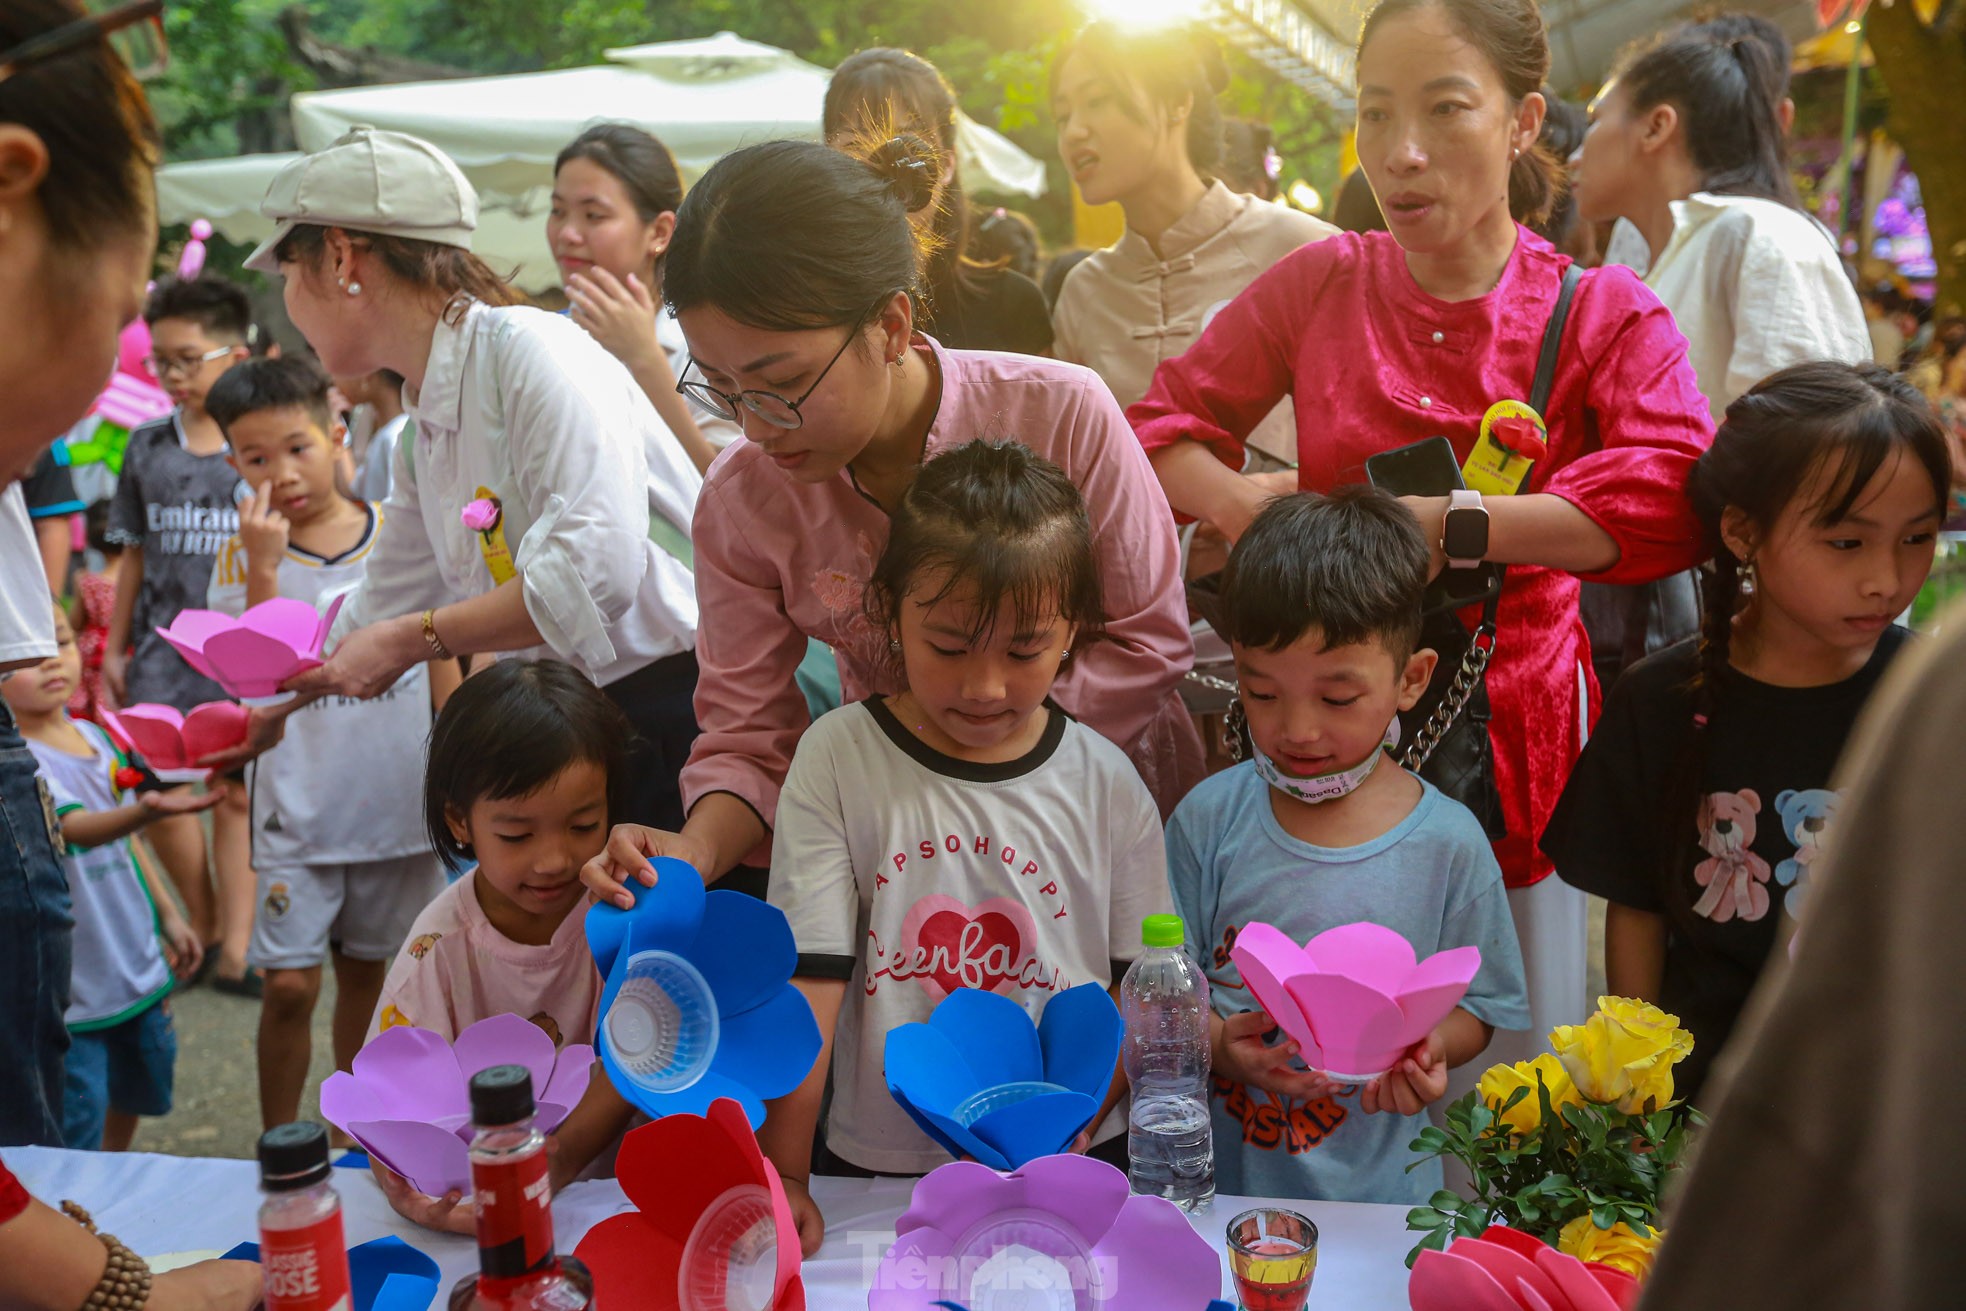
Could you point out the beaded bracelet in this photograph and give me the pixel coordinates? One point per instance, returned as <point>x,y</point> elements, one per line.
<point>125,1282</point>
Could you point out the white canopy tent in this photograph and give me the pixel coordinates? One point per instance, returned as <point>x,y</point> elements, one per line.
<point>703,98</point>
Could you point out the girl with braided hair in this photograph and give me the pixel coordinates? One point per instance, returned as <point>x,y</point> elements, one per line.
<point>1700,804</point>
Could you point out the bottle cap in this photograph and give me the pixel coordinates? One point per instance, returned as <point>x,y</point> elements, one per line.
<point>501,1095</point>
<point>1163,931</point>
<point>293,1156</point>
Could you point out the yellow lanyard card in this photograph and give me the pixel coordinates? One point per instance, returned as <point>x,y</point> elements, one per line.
<point>1512,440</point>
<point>491,535</point>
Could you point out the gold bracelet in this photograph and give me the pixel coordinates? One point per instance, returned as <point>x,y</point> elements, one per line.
<point>126,1278</point>
<point>438,651</point>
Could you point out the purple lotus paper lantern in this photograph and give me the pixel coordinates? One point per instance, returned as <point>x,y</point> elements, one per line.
<point>250,656</point>
<point>1061,1232</point>
<point>172,742</point>
<point>408,1100</point>
<point>1354,998</point>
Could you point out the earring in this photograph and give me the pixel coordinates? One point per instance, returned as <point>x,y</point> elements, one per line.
<point>1066,654</point>
<point>894,644</point>
<point>1515,152</point>
<point>354,288</point>
<point>1748,579</point>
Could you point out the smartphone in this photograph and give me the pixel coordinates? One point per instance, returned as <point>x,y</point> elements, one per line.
<point>1428,468</point>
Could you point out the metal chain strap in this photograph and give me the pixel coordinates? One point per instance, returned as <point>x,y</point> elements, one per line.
<point>1466,679</point>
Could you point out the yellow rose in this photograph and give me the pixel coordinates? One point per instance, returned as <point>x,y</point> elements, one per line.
<point>1621,1247</point>
<point>1626,1047</point>
<point>1502,1080</point>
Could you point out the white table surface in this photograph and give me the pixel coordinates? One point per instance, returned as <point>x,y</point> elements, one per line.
<point>165,1204</point>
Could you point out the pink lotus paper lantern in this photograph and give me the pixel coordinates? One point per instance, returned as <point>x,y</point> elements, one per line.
<point>711,1226</point>
<point>1354,998</point>
<point>172,743</point>
<point>1060,1232</point>
<point>408,1100</point>
<point>250,656</point>
<point>1505,1270</point>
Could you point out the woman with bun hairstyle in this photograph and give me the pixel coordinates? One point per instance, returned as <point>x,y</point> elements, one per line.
<point>1139,124</point>
<point>1687,142</point>
<point>969,304</point>
<point>1385,339</point>
<point>615,192</point>
<point>795,273</point>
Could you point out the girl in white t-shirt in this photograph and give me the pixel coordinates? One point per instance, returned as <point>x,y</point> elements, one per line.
<point>965,832</point>
<point>525,770</point>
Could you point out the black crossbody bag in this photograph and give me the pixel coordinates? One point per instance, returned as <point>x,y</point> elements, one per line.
<point>1446,733</point>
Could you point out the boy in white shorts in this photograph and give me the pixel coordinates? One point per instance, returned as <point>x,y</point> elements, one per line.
<point>342,859</point>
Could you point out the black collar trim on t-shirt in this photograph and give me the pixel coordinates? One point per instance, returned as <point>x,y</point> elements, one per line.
<point>970,771</point>
<point>367,540</point>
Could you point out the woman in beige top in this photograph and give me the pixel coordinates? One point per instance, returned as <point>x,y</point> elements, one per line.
<point>1138,123</point>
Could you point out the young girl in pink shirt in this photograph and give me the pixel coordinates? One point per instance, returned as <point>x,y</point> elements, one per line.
<point>526,766</point>
<point>796,277</point>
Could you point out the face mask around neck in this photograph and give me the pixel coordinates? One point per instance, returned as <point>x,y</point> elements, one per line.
<point>1325,787</point>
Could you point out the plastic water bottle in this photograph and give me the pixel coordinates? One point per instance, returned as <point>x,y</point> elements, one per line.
<point>1164,1001</point>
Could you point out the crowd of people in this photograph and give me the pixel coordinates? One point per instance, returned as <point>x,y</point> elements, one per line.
<point>819,546</point>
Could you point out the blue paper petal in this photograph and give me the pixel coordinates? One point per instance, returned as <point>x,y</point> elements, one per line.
<point>1044,1125</point>
<point>665,916</point>
<point>924,1066</point>
<point>1080,1034</point>
<point>745,950</point>
<point>696,1099</point>
<point>993,1035</point>
<point>770,1048</point>
<point>384,1274</point>
<point>959,1141</point>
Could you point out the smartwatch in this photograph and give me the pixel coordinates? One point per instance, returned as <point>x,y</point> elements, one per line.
<point>1464,533</point>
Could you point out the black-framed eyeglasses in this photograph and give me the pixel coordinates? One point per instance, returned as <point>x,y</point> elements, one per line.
<point>133,28</point>
<point>767,405</point>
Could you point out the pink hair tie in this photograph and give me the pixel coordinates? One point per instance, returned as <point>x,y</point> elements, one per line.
<point>481,515</point>
<point>192,262</point>
<point>1699,721</point>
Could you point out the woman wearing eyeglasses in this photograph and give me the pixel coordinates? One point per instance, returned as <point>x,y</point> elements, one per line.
<point>541,506</point>
<point>795,274</point>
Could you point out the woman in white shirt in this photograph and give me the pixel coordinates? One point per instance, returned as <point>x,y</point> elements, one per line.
<point>1686,141</point>
<point>615,192</point>
<point>541,506</point>
<point>1138,124</point>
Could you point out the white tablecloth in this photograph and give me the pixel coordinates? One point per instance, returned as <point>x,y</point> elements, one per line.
<point>165,1204</point>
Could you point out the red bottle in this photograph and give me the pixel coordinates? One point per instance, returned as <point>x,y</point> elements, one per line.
<point>517,1268</point>
<point>301,1246</point>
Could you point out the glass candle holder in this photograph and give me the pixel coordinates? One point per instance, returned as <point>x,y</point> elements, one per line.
<point>1273,1255</point>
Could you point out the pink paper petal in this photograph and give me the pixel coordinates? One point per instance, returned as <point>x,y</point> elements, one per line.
<point>1523,1245</point>
<point>156,734</point>
<point>1534,1301</point>
<point>1623,1288</point>
<point>1156,1260</point>
<point>573,1069</point>
<point>1443,1281</point>
<point>251,663</point>
<point>1267,957</point>
<point>193,627</point>
<point>505,1040</point>
<point>1370,953</point>
<point>1510,1268</point>
<point>212,727</point>
<point>1568,1274</point>
<point>413,1075</point>
<point>434,1159</point>
<point>294,624</point>
<point>1359,1029</point>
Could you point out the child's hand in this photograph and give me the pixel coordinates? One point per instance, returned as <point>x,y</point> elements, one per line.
<point>806,1215</point>
<point>453,1213</point>
<point>179,801</point>
<point>1419,1080</point>
<point>629,850</point>
<point>183,949</point>
<point>263,530</point>
<point>1241,1055</point>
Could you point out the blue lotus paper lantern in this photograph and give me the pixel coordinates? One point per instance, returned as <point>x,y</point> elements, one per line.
<point>698,1001</point>
<point>986,1083</point>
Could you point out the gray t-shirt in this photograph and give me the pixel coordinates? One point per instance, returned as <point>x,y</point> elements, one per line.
<point>181,509</point>
<point>1432,878</point>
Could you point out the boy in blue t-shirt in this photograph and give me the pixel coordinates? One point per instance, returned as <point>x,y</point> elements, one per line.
<point>1321,604</point>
